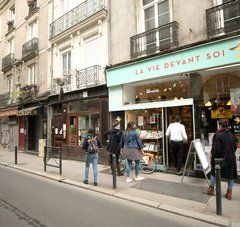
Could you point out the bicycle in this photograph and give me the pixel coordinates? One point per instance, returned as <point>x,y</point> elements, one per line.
<point>148,163</point>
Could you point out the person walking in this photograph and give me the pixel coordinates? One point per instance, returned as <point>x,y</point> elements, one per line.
<point>131,145</point>
<point>113,139</point>
<point>223,146</point>
<point>91,145</point>
<point>177,134</point>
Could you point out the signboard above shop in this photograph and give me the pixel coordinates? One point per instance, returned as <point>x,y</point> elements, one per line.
<point>209,55</point>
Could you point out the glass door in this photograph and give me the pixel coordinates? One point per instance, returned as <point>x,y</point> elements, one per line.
<point>186,114</point>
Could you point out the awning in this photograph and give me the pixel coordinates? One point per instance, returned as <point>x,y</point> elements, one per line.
<point>9,112</point>
<point>28,111</point>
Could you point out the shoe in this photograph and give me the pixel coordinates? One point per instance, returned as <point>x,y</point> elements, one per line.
<point>95,183</point>
<point>228,194</point>
<point>179,172</point>
<point>138,178</point>
<point>128,180</point>
<point>210,191</point>
<point>85,181</point>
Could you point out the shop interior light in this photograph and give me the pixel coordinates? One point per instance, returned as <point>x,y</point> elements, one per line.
<point>175,98</point>
<point>208,103</point>
<point>165,89</point>
<point>229,103</point>
<point>181,98</point>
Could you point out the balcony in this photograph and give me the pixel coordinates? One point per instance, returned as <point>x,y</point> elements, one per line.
<point>76,16</point>
<point>32,6</point>
<point>10,25</point>
<point>7,62</point>
<point>30,49</point>
<point>5,99</point>
<point>223,19</point>
<point>27,92</point>
<point>88,77</point>
<point>155,40</point>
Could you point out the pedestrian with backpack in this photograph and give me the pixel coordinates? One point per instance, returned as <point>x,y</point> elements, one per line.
<point>113,139</point>
<point>91,145</point>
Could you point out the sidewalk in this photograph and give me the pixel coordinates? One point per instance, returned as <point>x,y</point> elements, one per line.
<point>159,190</point>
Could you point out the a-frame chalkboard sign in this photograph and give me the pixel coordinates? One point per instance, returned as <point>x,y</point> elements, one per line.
<point>196,147</point>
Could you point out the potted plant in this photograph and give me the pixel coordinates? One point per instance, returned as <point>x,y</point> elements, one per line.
<point>72,134</point>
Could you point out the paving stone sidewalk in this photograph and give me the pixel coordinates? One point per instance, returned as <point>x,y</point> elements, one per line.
<point>159,190</point>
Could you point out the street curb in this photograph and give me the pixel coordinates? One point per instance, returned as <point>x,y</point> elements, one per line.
<point>220,221</point>
<point>38,173</point>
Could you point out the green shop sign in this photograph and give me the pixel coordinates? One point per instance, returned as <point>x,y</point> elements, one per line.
<point>206,56</point>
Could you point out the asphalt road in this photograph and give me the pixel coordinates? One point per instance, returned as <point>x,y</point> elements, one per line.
<point>28,200</point>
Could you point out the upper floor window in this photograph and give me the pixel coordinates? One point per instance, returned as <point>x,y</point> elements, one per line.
<point>31,74</point>
<point>10,46</point>
<point>12,13</point>
<point>156,13</point>
<point>65,6</point>
<point>32,30</point>
<point>66,61</point>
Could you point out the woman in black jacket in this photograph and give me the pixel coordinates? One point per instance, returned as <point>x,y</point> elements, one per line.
<point>224,146</point>
<point>113,139</point>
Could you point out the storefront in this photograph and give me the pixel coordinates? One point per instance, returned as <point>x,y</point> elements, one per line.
<point>32,123</point>
<point>74,114</point>
<point>201,84</point>
<point>9,128</point>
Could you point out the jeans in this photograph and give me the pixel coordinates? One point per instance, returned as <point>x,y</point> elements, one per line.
<point>91,158</point>
<point>213,180</point>
<point>129,165</point>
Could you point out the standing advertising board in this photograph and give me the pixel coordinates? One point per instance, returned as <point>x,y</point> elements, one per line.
<point>196,148</point>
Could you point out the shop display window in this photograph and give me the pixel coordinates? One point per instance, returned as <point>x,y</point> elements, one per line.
<point>174,88</point>
<point>216,96</point>
<point>149,127</point>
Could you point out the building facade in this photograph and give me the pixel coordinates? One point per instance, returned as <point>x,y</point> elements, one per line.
<point>170,62</point>
<point>24,72</point>
<point>79,53</point>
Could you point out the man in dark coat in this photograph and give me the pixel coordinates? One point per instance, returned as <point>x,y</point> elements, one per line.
<point>224,146</point>
<point>113,139</point>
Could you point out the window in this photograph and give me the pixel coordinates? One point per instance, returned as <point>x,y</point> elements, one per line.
<point>31,74</point>
<point>91,47</point>
<point>156,13</point>
<point>10,46</point>
<point>12,13</point>
<point>32,32</point>
<point>66,61</point>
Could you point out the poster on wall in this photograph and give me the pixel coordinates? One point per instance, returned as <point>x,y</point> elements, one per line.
<point>235,101</point>
<point>221,113</point>
<point>140,120</point>
<point>152,119</point>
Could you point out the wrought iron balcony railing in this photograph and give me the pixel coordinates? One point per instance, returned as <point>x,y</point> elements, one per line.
<point>5,99</point>
<point>32,7</point>
<point>75,16</point>
<point>30,49</point>
<point>10,25</point>
<point>158,39</point>
<point>223,19</point>
<point>7,62</point>
<point>88,77</point>
<point>67,80</point>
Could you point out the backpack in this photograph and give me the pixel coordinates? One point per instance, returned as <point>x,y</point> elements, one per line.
<point>92,145</point>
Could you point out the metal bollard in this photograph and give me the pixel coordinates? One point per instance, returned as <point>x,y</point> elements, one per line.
<point>60,160</point>
<point>218,190</point>
<point>114,171</point>
<point>45,158</point>
<point>16,155</point>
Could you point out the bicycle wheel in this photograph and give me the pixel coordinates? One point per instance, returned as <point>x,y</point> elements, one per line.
<point>122,164</point>
<point>147,165</point>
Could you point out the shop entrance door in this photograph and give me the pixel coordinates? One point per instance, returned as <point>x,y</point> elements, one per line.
<point>22,132</point>
<point>186,114</point>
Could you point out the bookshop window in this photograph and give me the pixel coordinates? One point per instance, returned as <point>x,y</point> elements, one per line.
<point>150,128</point>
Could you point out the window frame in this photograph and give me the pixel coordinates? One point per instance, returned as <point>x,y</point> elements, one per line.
<point>32,77</point>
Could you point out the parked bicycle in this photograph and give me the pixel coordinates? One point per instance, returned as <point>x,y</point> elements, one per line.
<point>148,163</point>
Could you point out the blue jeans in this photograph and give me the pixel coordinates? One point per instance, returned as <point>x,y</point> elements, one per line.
<point>129,165</point>
<point>91,158</point>
<point>213,180</point>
